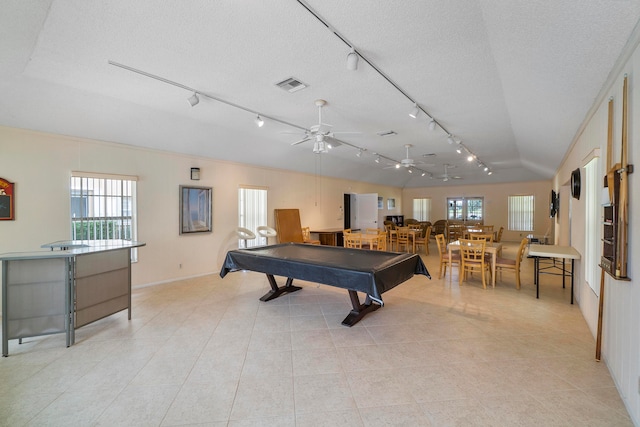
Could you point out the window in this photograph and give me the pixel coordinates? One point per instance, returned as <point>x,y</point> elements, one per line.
<point>103,207</point>
<point>422,209</point>
<point>252,213</point>
<point>465,209</point>
<point>592,222</point>
<point>521,210</point>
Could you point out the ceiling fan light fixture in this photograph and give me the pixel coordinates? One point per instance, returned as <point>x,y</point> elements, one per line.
<point>432,124</point>
<point>414,113</point>
<point>410,170</point>
<point>352,60</point>
<point>259,121</point>
<point>319,147</point>
<point>194,99</point>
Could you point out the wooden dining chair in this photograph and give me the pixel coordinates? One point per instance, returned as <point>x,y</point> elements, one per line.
<point>487,237</point>
<point>390,229</point>
<point>499,235</point>
<point>423,238</point>
<point>512,264</point>
<point>444,256</point>
<point>306,237</point>
<point>352,240</point>
<point>402,238</point>
<point>472,259</point>
<point>381,243</point>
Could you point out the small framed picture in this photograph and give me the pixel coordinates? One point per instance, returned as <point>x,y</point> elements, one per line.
<point>6,200</point>
<point>195,209</point>
<point>391,204</point>
<point>380,202</point>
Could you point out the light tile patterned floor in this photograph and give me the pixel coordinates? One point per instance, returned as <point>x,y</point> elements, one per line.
<point>206,351</point>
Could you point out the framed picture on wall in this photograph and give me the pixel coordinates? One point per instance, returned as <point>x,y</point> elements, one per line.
<point>391,204</point>
<point>6,200</point>
<point>195,209</point>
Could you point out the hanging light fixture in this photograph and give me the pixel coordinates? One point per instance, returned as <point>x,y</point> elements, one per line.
<point>259,121</point>
<point>352,60</point>
<point>414,113</point>
<point>193,99</point>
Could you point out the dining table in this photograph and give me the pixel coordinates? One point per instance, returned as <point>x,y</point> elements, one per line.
<point>493,248</point>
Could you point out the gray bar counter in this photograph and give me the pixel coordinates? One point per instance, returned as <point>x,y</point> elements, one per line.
<point>57,291</point>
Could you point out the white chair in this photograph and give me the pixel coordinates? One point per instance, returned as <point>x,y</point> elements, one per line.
<point>245,234</point>
<point>266,232</point>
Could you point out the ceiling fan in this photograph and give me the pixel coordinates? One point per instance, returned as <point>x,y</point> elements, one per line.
<point>320,134</point>
<point>446,177</point>
<point>407,162</point>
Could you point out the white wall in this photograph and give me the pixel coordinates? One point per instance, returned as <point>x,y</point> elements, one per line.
<point>41,164</point>
<point>621,320</point>
<point>495,203</point>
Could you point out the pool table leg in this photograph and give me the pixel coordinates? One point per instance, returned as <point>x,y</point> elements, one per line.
<point>276,291</point>
<point>359,310</point>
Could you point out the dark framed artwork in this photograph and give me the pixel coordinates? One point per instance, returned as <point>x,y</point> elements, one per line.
<point>7,200</point>
<point>195,209</point>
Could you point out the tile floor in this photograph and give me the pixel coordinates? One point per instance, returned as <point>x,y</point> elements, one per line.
<point>207,352</point>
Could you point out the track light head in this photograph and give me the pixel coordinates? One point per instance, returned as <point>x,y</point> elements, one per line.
<point>432,124</point>
<point>423,174</point>
<point>352,60</point>
<point>377,159</point>
<point>459,150</point>
<point>259,121</point>
<point>470,158</point>
<point>414,113</point>
<point>193,99</point>
<point>489,173</point>
<point>450,139</point>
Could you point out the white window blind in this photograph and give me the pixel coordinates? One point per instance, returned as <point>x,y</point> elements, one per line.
<point>103,207</point>
<point>252,213</point>
<point>422,209</point>
<point>521,212</point>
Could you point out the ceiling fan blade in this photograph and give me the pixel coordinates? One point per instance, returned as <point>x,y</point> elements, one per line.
<point>305,139</point>
<point>334,142</point>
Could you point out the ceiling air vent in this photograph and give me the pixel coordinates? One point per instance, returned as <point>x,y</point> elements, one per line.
<point>291,85</point>
<point>387,133</point>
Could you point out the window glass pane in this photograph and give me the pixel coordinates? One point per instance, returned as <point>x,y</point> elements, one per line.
<point>252,213</point>
<point>590,190</point>
<point>103,209</point>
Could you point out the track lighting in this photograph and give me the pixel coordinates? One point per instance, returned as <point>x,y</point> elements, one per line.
<point>352,60</point>
<point>486,168</point>
<point>432,124</point>
<point>489,173</point>
<point>410,170</point>
<point>259,121</point>
<point>423,174</point>
<point>193,99</point>
<point>414,113</point>
<point>470,158</point>
<point>377,159</point>
<point>459,150</point>
<point>450,139</point>
<point>397,165</point>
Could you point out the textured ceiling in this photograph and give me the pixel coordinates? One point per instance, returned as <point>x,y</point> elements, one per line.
<point>512,80</point>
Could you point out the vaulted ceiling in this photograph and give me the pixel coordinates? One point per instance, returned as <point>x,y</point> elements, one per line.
<point>511,81</point>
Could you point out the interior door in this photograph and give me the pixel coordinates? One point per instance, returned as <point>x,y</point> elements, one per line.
<point>366,215</point>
